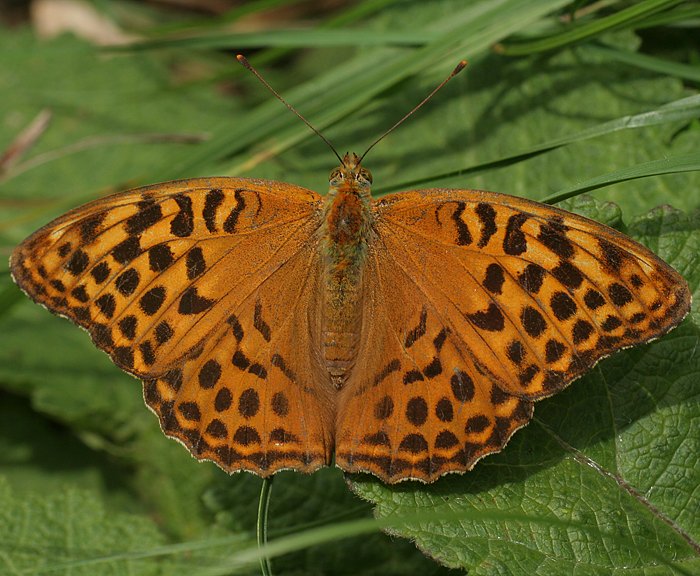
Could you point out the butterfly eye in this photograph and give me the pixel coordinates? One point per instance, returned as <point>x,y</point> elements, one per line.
<point>336,174</point>
<point>364,174</point>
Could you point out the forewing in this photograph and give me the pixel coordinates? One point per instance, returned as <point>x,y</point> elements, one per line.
<point>188,285</point>
<point>488,303</point>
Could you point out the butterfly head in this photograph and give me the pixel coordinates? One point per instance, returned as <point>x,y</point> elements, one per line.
<point>350,174</point>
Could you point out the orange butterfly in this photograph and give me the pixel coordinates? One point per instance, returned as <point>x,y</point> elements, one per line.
<point>409,335</point>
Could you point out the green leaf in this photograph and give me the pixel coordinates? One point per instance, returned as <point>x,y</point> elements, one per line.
<point>70,532</point>
<point>672,165</point>
<point>602,480</point>
<point>630,15</point>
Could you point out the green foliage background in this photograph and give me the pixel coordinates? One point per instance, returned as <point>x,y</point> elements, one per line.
<point>605,480</point>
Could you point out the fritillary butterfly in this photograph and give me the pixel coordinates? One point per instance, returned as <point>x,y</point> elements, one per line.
<point>408,336</point>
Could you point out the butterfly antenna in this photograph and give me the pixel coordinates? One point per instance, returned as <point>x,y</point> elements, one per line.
<point>415,109</point>
<point>244,61</point>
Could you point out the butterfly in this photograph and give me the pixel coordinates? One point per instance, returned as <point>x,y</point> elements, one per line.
<point>406,336</point>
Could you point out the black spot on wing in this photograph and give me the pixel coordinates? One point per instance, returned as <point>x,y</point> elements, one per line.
<point>280,404</point>
<point>152,300</point>
<point>433,368</point>
<point>195,263</point>
<point>192,303</point>
<point>279,362</point>
<point>209,374</point>
<point>127,250</point>
<point>462,386</point>
<point>554,350</point>
<point>490,319</point>
<point>515,352</point>
<point>439,340</point>
<point>217,429</point>
<point>213,200</point>
<point>568,274</point>
<point>531,278</point>
<point>147,354</point>
<point>223,399</point>
<point>127,282</point>
<point>487,216</point>
<point>90,227</point>
<point>80,293</point>
<point>619,294</point>
<point>163,332</point>
<point>377,439</point>
<point>582,331</point>
<point>259,323</point>
<point>611,323</point>
<point>464,237</point>
<point>412,376</point>
<point>384,408</point>
<point>236,327</point>
<point>100,272</point>
<point>107,304</point>
<point>514,242</point>
<point>418,331</point>
<point>494,279</point>
<point>553,236</point>
<point>414,443</point>
<point>78,262</point>
<point>563,305</point>
<point>149,213</point>
<point>444,410</point>
<point>417,411</point>
<point>393,366</point>
<point>533,322</point>
<point>612,255</point>
<point>232,219</point>
<point>160,257</point>
<point>183,223</point>
<point>593,299</point>
<point>128,325</point>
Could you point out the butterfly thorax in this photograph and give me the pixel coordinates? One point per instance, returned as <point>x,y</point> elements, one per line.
<point>346,227</point>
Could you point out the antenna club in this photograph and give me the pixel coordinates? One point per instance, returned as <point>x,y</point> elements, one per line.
<point>243,60</point>
<point>454,72</point>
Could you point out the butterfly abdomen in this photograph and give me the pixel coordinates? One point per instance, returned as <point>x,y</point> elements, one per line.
<point>344,246</point>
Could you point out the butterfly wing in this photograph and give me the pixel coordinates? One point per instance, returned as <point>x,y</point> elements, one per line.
<point>188,286</point>
<point>477,305</point>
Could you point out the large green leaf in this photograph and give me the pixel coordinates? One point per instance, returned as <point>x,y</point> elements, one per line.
<point>604,479</point>
<point>42,531</point>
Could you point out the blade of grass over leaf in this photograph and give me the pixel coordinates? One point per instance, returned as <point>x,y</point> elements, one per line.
<point>95,142</point>
<point>259,7</point>
<point>263,512</point>
<point>645,62</point>
<point>682,16</point>
<point>330,533</point>
<point>24,141</point>
<point>329,98</point>
<point>682,110</point>
<point>670,165</point>
<point>301,38</point>
<point>207,34</point>
<point>577,33</point>
<point>170,550</point>
<point>351,14</point>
